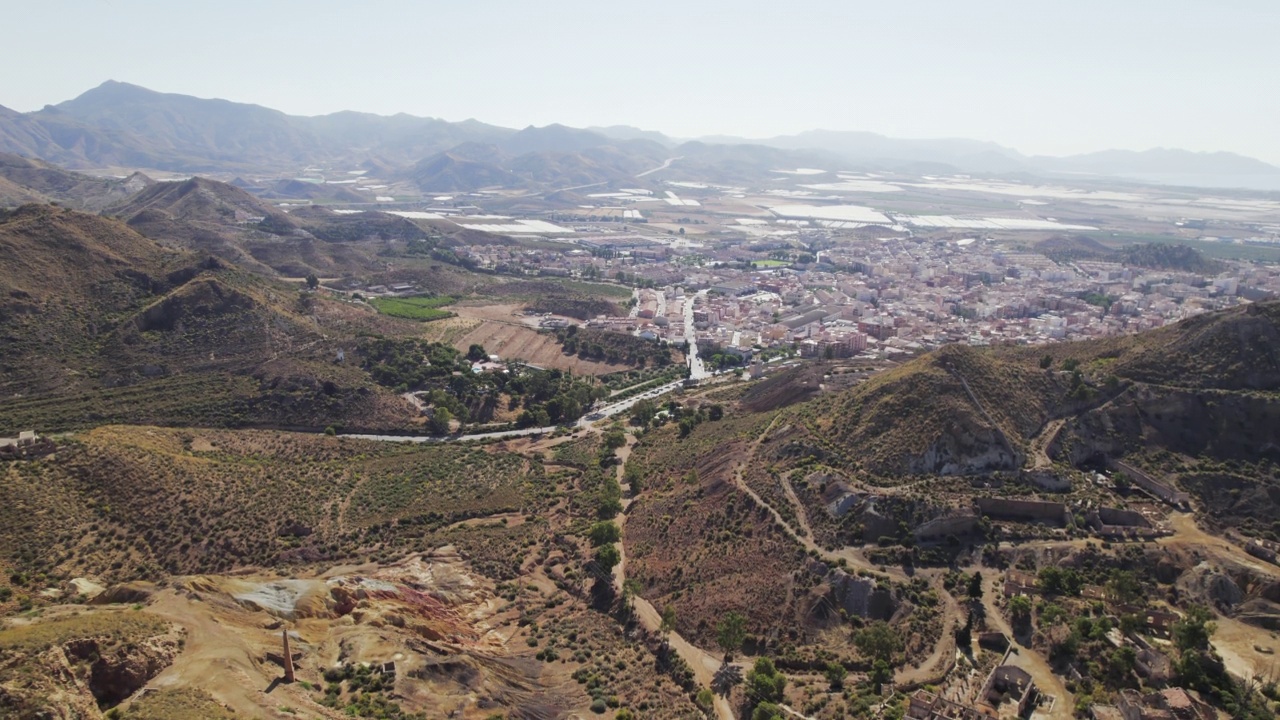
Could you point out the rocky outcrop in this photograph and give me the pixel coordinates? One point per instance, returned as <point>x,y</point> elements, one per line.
<point>125,593</point>
<point>857,596</point>
<point>79,678</point>
<point>1209,585</point>
<point>1191,422</point>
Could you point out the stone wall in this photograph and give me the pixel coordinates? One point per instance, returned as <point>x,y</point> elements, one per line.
<point>1120,516</point>
<point>1158,488</point>
<point>944,526</point>
<point>1048,481</point>
<point>1027,510</point>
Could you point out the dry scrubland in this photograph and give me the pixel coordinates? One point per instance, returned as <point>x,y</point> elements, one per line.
<point>256,505</point>
<point>725,515</point>
<point>253,499</point>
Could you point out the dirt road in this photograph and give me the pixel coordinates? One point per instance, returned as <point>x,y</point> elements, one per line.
<point>1031,661</point>
<point>703,664</point>
<point>1038,455</point>
<point>217,658</point>
<point>944,651</point>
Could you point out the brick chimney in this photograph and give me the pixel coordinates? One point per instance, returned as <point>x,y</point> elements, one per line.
<point>288,658</point>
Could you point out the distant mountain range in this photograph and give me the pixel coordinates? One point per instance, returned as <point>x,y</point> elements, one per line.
<point>123,125</point>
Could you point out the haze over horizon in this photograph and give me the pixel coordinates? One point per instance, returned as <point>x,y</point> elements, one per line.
<point>1062,81</point>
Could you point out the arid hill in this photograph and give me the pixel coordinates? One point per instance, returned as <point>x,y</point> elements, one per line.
<point>959,410</point>
<point>1156,256</point>
<point>422,580</point>
<point>102,323</point>
<point>223,220</point>
<point>965,410</point>
<point>24,180</point>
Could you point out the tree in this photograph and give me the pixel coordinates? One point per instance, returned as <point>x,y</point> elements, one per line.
<point>686,426</point>
<point>881,673</point>
<point>1121,663</point>
<point>1020,609</point>
<point>1131,623</point>
<point>643,412</point>
<point>440,421</point>
<point>835,673</point>
<point>668,623</point>
<point>477,353</point>
<point>570,410</point>
<point>767,711</point>
<point>1045,362</point>
<point>975,586</point>
<point>964,633</point>
<point>603,533</point>
<point>731,632</point>
<point>878,641</point>
<point>1058,581</point>
<point>1124,586</point>
<point>313,282</point>
<point>764,682</point>
<point>607,557</point>
<point>633,478</point>
<point>1193,631</point>
<point>630,588</point>
<point>607,508</point>
<point>615,438</point>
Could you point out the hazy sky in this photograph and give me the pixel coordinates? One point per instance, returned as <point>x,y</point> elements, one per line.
<point>1044,77</point>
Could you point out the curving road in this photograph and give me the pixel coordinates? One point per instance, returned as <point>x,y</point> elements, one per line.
<point>660,168</point>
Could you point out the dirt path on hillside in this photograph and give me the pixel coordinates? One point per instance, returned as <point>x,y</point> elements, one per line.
<point>849,555</point>
<point>943,652</point>
<point>1187,532</point>
<point>1004,439</point>
<point>217,657</point>
<point>1030,660</point>
<point>703,664</point>
<point>1038,455</point>
<point>802,517</point>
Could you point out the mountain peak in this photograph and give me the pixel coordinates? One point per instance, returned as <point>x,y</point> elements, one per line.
<point>115,89</point>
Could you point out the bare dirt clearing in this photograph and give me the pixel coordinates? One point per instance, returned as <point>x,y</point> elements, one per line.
<point>503,333</point>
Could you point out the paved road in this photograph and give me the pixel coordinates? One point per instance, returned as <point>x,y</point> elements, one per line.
<point>697,370</point>
<point>453,438</point>
<point>663,166</point>
<point>605,412</point>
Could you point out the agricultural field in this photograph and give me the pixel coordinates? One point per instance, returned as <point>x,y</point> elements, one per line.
<point>424,309</point>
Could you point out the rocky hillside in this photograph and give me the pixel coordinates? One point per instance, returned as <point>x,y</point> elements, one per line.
<point>70,666</point>
<point>24,180</point>
<point>1156,256</point>
<point>101,323</point>
<point>223,220</point>
<point>960,410</point>
<point>1202,386</point>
